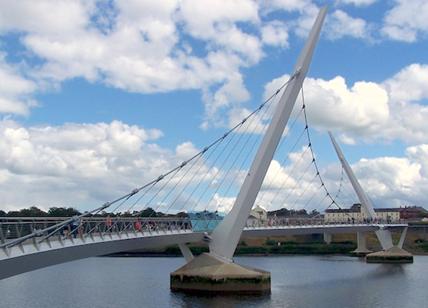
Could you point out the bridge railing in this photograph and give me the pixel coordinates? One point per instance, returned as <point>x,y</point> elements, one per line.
<point>18,230</point>
<point>283,222</point>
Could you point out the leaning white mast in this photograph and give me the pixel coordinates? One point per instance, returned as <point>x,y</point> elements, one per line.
<point>226,235</point>
<point>384,236</point>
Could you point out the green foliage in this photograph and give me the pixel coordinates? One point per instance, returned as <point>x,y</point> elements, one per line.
<point>149,212</point>
<point>62,212</point>
<point>32,212</point>
<point>251,250</point>
<point>270,242</point>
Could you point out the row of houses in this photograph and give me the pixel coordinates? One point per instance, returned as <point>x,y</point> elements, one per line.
<point>356,213</point>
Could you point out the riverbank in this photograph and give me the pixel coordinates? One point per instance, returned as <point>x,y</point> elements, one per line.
<point>269,249</point>
<point>416,243</point>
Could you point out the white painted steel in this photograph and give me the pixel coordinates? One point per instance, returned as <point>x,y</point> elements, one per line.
<point>384,236</point>
<point>365,201</point>
<point>327,238</point>
<point>226,236</point>
<point>185,251</point>
<point>402,237</point>
<point>362,243</point>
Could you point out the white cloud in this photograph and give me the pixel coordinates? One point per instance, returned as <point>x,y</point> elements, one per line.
<point>15,90</point>
<point>275,33</point>
<point>389,181</point>
<point>331,104</point>
<point>140,46</point>
<point>148,46</point>
<point>44,16</point>
<point>358,2</point>
<point>366,110</point>
<point>406,21</point>
<point>394,181</point>
<point>409,84</point>
<point>340,24</point>
<point>287,5</point>
<point>78,164</point>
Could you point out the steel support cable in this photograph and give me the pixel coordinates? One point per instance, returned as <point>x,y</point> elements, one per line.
<point>333,201</point>
<point>201,153</point>
<point>296,184</point>
<point>348,191</point>
<point>240,124</point>
<point>164,199</point>
<point>244,161</point>
<point>140,197</point>
<point>308,184</point>
<point>261,198</point>
<point>214,162</point>
<point>136,190</point>
<point>340,184</point>
<point>249,135</point>
<point>241,148</point>
<point>224,178</point>
<point>295,165</point>
<point>313,154</point>
<point>194,174</point>
<point>283,161</point>
<point>312,197</point>
<point>72,230</point>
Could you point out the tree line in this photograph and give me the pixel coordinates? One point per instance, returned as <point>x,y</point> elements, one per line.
<point>34,211</point>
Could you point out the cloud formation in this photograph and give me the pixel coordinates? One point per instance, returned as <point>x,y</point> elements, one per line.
<point>387,111</point>
<point>406,21</point>
<point>152,47</point>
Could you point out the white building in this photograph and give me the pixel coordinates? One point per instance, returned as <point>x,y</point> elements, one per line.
<point>357,214</point>
<point>258,216</point>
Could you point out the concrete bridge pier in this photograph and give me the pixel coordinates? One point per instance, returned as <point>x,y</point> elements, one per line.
<point>391,253</point>
<point>362,249</point>
<point>327,238</point>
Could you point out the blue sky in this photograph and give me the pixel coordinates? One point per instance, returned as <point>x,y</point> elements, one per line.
<point>88,84</point>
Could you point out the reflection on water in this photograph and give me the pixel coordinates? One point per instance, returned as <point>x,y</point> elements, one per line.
<point>297,281</point>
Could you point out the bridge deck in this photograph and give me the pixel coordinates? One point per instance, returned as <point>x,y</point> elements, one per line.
<point>29,255</point>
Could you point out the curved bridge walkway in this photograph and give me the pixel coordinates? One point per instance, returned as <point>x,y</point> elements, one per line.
<point>29,243</point>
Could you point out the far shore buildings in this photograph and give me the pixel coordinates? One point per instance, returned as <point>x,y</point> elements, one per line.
<point>357,214</point>
<point>258,216</point>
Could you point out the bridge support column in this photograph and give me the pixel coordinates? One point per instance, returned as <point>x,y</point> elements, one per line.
<point>210,274</point>
<point>185,251</point>
<point>362,249</point>
<point>393,254</point>
<point>327,238</point>
<point>215,271</point>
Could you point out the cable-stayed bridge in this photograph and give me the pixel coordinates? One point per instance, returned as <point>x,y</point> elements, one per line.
<point>103,235</point>
<point>267,158</point>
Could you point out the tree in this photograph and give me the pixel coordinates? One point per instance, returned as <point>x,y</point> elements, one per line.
<point>32,212</point>
<point>149,212</point>
<point>63,212</point>
<point>182,214</point>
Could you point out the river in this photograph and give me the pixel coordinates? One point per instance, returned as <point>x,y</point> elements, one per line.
<point>297,281</point>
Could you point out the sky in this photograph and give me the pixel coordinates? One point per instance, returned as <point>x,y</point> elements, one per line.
<point>98,97</point>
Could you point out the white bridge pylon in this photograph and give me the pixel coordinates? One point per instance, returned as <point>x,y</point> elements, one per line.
<point>383,235</point>
<point>226,235</point>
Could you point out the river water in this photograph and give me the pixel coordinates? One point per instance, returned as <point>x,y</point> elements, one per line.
<point>297,281</point>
